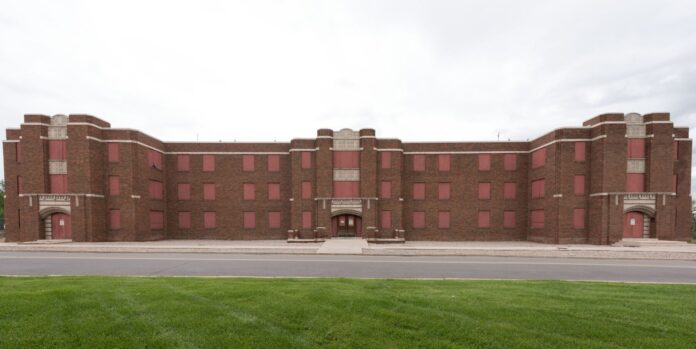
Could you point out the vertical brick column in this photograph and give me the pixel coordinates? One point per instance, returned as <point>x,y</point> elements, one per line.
<point>659,170</point>
<point>324,181</point>
<point>368,182</point>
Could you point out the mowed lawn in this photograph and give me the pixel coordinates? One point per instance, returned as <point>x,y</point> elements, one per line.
<point>131,312</point>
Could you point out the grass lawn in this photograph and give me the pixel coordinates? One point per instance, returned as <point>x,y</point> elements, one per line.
<point>128,312</point>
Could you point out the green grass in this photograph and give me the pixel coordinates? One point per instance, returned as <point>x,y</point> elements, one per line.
<point>105,312</point>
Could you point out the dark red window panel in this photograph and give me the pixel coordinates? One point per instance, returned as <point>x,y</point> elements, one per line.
<point>510,190</point>
<point>273,163</point>
<point>418,219</point>
<point>114,185</point>
<point>635,182</point>
<point>306,160</point>
<point>484,162</point>
<point>443,162</point>
<point>443,191</point>
<point>273,191</point>
<point>156,220</point>
<point>184,191</point>
<point>183,162</point>
<point>385,159</point>
<point>57,149</point>
<point>249,191</point>
<point>419,162</point>
<point>580,151</point>
<point>537,218</point>
<point>509,219</point>
<point>208,163</point>
<point>348,189</point>
<point>248,163</point>
<point>539,158</point>
<point>249,220</point>
<point>484,219</point>
<point>385,190</point>
<point>184,220</point>
<point>59,183</point>
<point>155,189</point>
<point>386,219</point>
<point>306,190</point>
<point>154,159</point>
<point>510,162</point>
<point>114,219</point>
<point>578,218</point>
<point>112,152</point>
<point>306,219</point>
<point>210,219</point>
<point>443,219</point>
<point>418,191</point>
<point>538,188</point>
<point>208,191</point>
<point>636,148</point>
<point>484,191</point>
<point>579,184</point>
<point>346,159</point>
<point>274,219</point>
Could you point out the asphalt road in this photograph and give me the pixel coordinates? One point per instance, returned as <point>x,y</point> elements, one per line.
<point>63,263</point>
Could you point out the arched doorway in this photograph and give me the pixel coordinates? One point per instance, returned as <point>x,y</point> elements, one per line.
<point>637,222</point>
<point>346,225</point>
<point>60,226</point>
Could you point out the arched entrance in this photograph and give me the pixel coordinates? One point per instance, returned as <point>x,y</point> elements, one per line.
<point>57,224</point>
<point>637,223</point>
<point>346,225</point>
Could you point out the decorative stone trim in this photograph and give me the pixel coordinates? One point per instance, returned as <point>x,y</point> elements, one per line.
<point>635,166</point>
<point>57,167</point>
<point>345,175</point>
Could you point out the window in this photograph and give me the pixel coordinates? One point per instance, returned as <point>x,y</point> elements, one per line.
<point>249,192</point>
<point>154,159</point>
<point>306,190</point>
<point>538,188</point>
<point>209,219</point>
<point>306,219</point>
<point>274,219</point>
<point>635,182</point>
<point>346,189</point>
<point>183,162</point>
<point>57,149</point>
<point>112,152</point>
<point>443,162</point>
<point>418,191</point>
<point>579,218</point>
<point>579,184</point>
<point>537,218</point>
<point>273,191</point>
<point>484,191</point>
<point>115,219</point>
<point>248,163</point>
<point>636,148</point>
<point>208,191</point>
<point>509,220</point>
<point>114,185</point>
<point>20,184</point>
<point>346,159</point>
<point>418,219</point>
<point>155,189</point>
<point>183,191</point>
<point>184,220</point>
<point>443,219</point>
<point>273,163</point>
<point>484,219</point>
<point>674,183</point>
<point>443,191</point>
<point>306,160</point>
<point>249,220</point>
<point>18,152</point>
<point>539,158</point>
<point>385,190</point>
<point>675,150</point>
<point>580,151</point>
<point>59,183</point>
<point>385,159</point>
<point>156,220</point>
<point>386,219</point>
<point>484,162</point>
<point>510,162</point>
<point>510,190</point>
<point>419,162</point>
<point>208,163</point>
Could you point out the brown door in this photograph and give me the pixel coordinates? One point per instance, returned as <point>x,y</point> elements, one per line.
<point>346,225</point>
<point>633,225</point>
<point>60,226</point>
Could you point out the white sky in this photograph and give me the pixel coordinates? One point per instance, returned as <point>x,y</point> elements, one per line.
<point>415,70</point>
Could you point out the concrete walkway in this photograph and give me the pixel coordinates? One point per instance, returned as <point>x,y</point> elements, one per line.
<point>343,246</point>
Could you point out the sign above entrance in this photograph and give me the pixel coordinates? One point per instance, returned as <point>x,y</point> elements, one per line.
<point>342,205</point>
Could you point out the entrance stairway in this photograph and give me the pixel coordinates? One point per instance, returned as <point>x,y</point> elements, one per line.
<point>343,246</point>
<point>648,242</point>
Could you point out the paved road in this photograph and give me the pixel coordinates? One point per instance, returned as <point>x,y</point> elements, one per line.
<point>63,263</point>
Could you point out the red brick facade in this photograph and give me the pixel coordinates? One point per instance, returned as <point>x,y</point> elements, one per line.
<point>572,185</point>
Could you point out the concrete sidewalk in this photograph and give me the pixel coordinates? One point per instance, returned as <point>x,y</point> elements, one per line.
<point>683,251</point>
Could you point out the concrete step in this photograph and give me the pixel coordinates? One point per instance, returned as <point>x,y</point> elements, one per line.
<point>343,246</point>
<point>648,242</point>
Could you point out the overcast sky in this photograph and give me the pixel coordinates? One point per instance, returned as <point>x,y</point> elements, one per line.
<point>415,70</point>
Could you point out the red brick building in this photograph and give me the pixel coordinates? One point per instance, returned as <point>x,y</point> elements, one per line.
<point>75,177</point>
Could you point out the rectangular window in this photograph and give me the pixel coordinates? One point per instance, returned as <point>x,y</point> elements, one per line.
<point>155,189</point>
<point>484,219</point>
<point>20,184</point>
<point>509,190</point>
<point>112,152</point>
<point>156,220</point>
<point>306,219</point>
<point>346,189</point>
<point>443,162</point>
<point>419,162</point>
<point>484,162</point>
<point>249,191</point>
<point>183,191</point>
<point>273,191</point>
<point>385,190</point>
<point>183,163</point>
<point>57,149</point>
<point>484,191</point>
<point>418,219</point>
<point>154,159</point>
<point>537,218</point>
<point>635,182</point>
<point>114,185</point>
<point>306,160</point>
<point>675,150</point>
<point>184,220</point>
<point>385,157</point>
<point>443,191</point>
<point>636,148</point>
<point>580,151</point>
<point>306,190</point>
<point>443,219</point>
<point>510,162</point>
<point>115,219</point>
<point>208,163</point>
<point>208,191</point>
<point>249,220</point>
<point>418,191</point>
<point>674,183</point>
<point>248,163</point>
<point>274,219</point>
<point>18,152</point>
<point>509,219</point>
<point>346,159</point>
<point>579,218</point>
<point>273,163</point>
<point>538,188</point>
<point>539,158</point>
<point>209,219</point>
<point>59,183</point>
<point>386,219</point>
<point>579,184</point>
